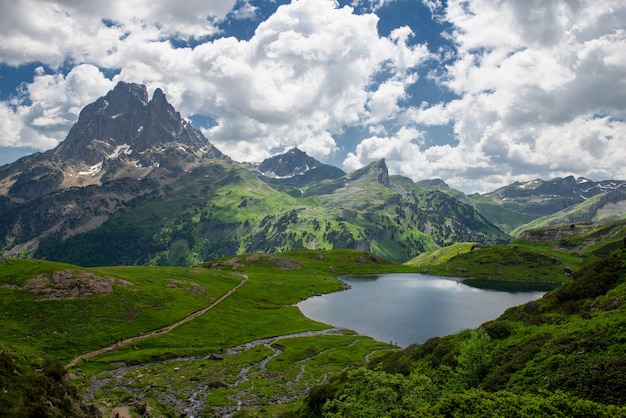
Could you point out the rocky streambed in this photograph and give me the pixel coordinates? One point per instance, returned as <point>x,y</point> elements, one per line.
<point>270,371</point>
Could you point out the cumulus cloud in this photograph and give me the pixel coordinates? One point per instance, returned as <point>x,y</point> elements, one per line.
<point>309,70</point>
<point>45,109</point>
<point>54,32</point>
<point>540,89</point>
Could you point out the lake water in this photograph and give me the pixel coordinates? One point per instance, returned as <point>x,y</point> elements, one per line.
<point>410,308</point>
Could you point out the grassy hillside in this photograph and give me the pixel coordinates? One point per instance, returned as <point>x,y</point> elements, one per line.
<point>508,262</point>
<point>560,356</point>
<point>442,255</point>
<point>41,313</point>
<point>222,209</point>
<point>541,255</point>
<point>254,354</point>
<point>141,299</point>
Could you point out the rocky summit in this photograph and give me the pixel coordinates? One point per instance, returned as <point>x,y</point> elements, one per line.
<point>120,135</point>
<point>126,123</point>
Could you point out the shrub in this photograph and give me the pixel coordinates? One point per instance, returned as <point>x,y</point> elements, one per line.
<point>497,329</point>
<point>593,280</point>
<point>474,360</point>
<point>598,378</point>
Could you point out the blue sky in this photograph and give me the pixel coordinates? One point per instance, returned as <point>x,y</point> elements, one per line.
<point>479,93</point>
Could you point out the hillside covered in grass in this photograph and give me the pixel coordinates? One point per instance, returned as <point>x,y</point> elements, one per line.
<point>220,209</point>
<point>542,255</point>
<point>133,338</point>
<point>124,327</point>
<point>560,356</point>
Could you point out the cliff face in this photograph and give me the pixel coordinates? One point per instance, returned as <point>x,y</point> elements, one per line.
<point>554,234</point>
<point>604,237</point>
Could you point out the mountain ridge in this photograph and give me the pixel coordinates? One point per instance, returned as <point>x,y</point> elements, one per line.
<point>133,183</point>
<point>511,207</point>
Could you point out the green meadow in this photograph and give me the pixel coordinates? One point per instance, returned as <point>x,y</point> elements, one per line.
<point>256,328</point>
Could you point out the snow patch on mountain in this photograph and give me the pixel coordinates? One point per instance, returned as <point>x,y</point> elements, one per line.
<point>93,170</point>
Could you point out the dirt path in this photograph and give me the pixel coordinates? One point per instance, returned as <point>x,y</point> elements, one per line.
<point>159,331</point>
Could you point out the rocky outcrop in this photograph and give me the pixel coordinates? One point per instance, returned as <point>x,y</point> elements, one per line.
<point>554,234</point>
<point>376,170</point>
<point>69,284</point>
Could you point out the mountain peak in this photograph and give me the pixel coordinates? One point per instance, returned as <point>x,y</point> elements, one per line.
<point>377,169</point>
<point>124,90</point>
<point>126,120</point>
<point>292,163</point>
<point>433,184</point>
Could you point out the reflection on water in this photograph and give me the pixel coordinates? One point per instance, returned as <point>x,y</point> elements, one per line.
<point>409,308</point>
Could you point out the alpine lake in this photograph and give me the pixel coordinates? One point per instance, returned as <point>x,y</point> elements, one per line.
<point>408,308</point>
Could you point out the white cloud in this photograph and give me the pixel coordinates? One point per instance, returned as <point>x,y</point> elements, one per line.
<point>305,75</point>
<point>541,88</point>
<point>53,32</point>
<point>45,111</point>
<point>244,11</point>
<point>397,150</point>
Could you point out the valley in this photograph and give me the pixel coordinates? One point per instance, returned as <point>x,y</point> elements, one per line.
<point>209,322</point>
<point>206,341</point>
<point>144,272</point>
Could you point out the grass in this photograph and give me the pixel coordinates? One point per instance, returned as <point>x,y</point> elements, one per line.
<point>545,257</point>
<point>67,328</point>
<point>279,367</point>
<point>199,350</point>
<point>508,262</point>
<point>262,308</point>
<point>442,255</point>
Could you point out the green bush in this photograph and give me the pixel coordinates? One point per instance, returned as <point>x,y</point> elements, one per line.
<point>594,280</point>
<point>497,329</point>
<point>474,360</point>
<point>479,404</point>
<point>598,378</point>
<point>37,387</point>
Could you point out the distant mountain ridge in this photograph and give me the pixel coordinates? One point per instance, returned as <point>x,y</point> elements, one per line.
<point>292,163</point>
<point>602,207</point>
<point>514,205</point>
<point>546,197</point>
<point>134,183</point>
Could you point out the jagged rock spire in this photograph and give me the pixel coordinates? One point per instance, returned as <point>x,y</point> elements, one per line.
<point>125,119</point>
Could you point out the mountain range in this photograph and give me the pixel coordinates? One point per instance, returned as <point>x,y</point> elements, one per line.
<point>551,202</point>
<point>134,183</point>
